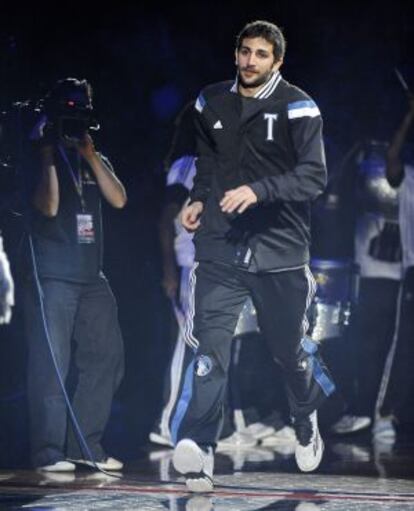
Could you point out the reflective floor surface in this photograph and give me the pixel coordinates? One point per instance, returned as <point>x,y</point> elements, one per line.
<point>353,476</point>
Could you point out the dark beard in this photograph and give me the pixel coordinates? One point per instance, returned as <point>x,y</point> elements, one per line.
<point>260,81</point>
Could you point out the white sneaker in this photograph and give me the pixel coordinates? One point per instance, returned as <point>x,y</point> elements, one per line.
<point>195,464</point>
<point>384,429</point>
<point>309,446</point>
<point>237,440</point>
<point>285,435</point>
<point>110,464</point>
<point>59,466</point>
<point>158,438</point>
<point>258,430</point>
<point>350,424</point>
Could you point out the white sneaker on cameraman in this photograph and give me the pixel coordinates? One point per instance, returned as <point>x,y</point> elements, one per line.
<point>195,464</point>
<point>309,443</point>
<point>58,466</point>
<point>107,463</point>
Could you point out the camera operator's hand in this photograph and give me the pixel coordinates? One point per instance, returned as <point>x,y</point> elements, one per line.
<point>110,186</point>
<point>85,146</point>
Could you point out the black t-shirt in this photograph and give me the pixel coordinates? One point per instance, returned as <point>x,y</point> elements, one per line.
<point>58,251</point>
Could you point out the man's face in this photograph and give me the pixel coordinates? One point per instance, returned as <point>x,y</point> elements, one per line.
<point>255,62</point>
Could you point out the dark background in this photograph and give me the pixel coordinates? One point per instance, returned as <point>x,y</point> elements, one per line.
<point>144,62</point>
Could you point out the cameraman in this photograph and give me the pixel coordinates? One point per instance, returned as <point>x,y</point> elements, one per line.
<point>65,248</point>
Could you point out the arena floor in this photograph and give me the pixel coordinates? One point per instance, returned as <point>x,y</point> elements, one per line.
<point>353,476</point>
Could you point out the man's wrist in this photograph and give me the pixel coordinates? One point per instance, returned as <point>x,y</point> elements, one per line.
<point>259,190</point>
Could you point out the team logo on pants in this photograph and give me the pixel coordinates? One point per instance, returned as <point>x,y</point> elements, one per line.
<point>203,365</point>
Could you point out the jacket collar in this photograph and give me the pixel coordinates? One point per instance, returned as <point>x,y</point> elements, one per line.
<point>268,88</point>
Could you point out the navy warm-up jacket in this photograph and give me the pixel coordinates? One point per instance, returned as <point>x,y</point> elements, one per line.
<point>273,143</point>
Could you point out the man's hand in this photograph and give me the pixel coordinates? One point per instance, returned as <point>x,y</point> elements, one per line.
<point>85,146</point>
<point>238,199</point>
<point>190,216</point>
<point>110,186</point>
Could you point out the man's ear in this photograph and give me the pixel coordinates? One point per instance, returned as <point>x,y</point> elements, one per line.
<point>236,57</point>
<point>277,65</point>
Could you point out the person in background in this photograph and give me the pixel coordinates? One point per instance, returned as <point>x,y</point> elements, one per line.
<point>398,377</point>
<point>177,251</point>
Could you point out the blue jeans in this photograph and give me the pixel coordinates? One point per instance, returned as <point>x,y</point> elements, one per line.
<point>86,314</point>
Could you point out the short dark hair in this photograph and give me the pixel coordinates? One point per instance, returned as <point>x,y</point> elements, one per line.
<point>269,31</point>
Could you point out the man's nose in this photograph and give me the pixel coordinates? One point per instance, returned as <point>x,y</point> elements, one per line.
<point>251,61</point>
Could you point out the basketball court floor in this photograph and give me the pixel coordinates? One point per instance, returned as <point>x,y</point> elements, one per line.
<point>354,475</point>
